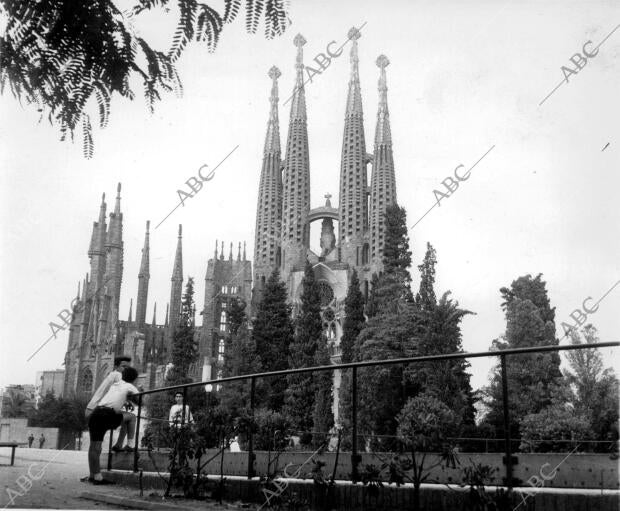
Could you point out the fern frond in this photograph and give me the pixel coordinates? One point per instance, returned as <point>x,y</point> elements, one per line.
<point>208,26</point>
<point>103,101</point>
<point>185,28</point>
<point>87,133</point>
<point>276,19</point>
<point>254,10</point>
<point>231,10</point>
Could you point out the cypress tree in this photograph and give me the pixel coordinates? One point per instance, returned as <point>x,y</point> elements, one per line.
<point>323,416</point>
<point>426,299</point>
<point>183,354</point>
<point>533,379</point>
<point>386,334</point>
<point>300,392</point>
<point>272,334</point>
<point>353,318</point>
<point>353,324</point>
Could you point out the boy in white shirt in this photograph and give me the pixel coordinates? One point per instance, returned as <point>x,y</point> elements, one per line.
<point>176,412</point>
<point>108,415</point>
<point>128,426</point>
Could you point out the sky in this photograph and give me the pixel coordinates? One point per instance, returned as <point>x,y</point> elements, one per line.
<point>465,80</point>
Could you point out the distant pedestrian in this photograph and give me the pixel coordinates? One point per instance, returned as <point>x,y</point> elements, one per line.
<point>41,441</point>
<point>30,439</point>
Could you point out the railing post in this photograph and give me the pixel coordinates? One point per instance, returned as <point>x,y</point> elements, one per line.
<point>507,439</point>
<point>184,405</point>
<point>110,450</point>
<point>137,435</point>
<point>354,453</point>
<point>251,433</point>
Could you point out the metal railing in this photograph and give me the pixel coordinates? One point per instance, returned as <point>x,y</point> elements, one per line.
<point>355,457</point>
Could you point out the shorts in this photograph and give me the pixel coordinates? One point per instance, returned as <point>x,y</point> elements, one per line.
<point>101,420</point>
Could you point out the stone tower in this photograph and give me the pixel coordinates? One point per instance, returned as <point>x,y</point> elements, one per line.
<point>143,281</point>
<point>296,181</point>
<point>225,280</point>
<point>383,181</point>
<point>269,207</point>
<point>93,329</point>
<point>353,209</point>
<point>176,288</point>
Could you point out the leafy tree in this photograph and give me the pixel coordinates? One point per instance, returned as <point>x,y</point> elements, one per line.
<point>438,332</point>
<point>425,425</point>
<point>272,334</point>
<point>300,392</point>
<point>16,405</point>
<point>595,388</point>
<point>46,413</point>
<point>64,413</point>
<point>62,55</point>
<point>353,319</point>
<point>532,379</point>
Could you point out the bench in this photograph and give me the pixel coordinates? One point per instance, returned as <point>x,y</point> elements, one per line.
<point>12,445</point>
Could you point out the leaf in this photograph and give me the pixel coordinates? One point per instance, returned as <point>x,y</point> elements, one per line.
<point>185,28</point>
<point>87,137</point>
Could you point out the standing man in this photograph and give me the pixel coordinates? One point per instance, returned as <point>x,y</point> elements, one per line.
<point>30,439</point>
<point>41,441</point>
<point>108,415</point>
<point>128,425</point>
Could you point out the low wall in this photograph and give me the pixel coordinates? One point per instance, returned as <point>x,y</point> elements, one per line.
<point>17,430</point>
<point>346,496</point>
<point>593,471</point>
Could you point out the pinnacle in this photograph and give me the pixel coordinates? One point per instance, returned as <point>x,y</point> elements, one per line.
<point>383,61</point>
<point>299,40</point>
<point>354,34</point>
<point>274,73</point>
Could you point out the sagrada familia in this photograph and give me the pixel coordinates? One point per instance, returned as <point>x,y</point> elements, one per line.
<point>282,240</point>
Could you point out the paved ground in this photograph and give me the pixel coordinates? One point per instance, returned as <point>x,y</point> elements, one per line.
<point>46,478</point>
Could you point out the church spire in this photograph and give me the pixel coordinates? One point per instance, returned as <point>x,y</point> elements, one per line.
<point>354,97</point>
<point>353,206</point>
<point>155,314</point>
<point>143,280</point>
<point>383,181</point>
<point>269,204</point>
<point>129,319</point>
<point>177,285</point>
<point>296,182</point>
<point>272,139</point>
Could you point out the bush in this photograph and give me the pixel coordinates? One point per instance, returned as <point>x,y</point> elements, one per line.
<point>541,432</point>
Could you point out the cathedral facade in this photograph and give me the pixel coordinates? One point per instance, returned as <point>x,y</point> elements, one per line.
<point>282,240</point>
<point>284,213</point>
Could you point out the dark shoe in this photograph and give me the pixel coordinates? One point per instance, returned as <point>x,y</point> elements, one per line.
<point>128,449</point>
<point>116,448</point>
<point>102,482</point>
